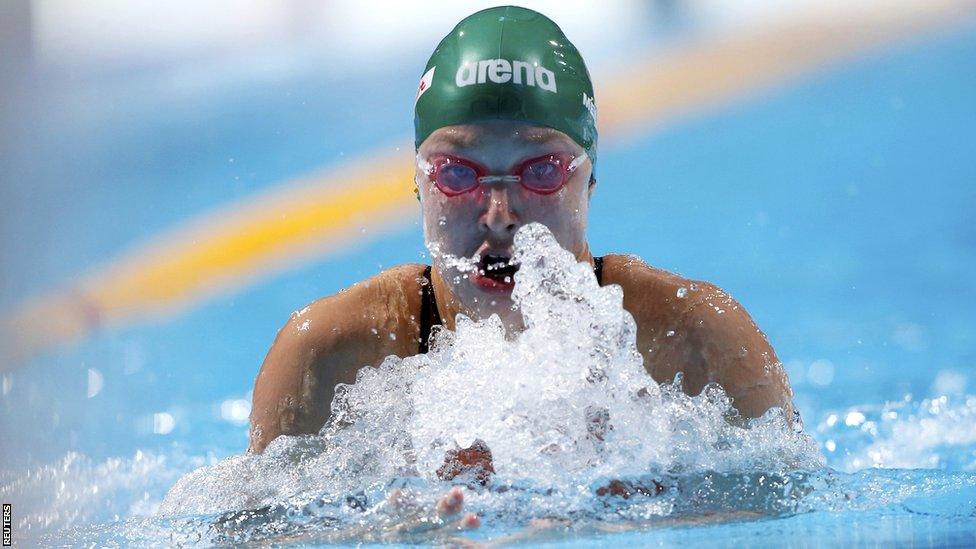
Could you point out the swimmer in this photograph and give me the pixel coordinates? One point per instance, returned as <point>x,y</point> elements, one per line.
<point>505,122</point>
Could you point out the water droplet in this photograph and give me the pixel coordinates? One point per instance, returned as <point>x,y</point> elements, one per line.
<point>235,410</point>
<point>163,423</point>
<point>682,292</point>
<point>95,382</point>
<point>854,419</point>
<point>821,373</point>
<point>669,333</point>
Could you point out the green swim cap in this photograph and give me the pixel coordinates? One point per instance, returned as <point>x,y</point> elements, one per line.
<point>507,63</point>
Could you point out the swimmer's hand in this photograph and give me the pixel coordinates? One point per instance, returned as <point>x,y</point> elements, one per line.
<point>628,488</point>
<point>471,463</point>
<point>448,506</point>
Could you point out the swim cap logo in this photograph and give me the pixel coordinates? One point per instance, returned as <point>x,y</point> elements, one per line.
<point>425,82</point>
<point>501,71</point>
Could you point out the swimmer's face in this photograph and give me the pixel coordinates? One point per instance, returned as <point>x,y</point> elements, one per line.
<point>483,221</point>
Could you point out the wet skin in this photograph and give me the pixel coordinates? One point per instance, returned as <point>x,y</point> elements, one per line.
<point>683,325</point>
<point>485,220</point>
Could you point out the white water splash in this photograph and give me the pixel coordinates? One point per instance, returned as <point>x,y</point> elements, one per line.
<point>542,401</point>
<point>934,433</point>
<point>78,490</point>
<point>565,407</point>
<point>448,261</point>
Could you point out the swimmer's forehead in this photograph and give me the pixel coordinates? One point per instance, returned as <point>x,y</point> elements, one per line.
<point>472,136</point>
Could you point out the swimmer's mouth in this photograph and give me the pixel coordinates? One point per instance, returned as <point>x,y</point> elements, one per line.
<point>495,274</point>
<point>500,268</point>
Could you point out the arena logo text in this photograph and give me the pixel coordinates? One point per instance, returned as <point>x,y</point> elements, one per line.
<point>501,71</point>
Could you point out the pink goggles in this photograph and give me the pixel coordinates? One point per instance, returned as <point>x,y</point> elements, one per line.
<point>542,174</point>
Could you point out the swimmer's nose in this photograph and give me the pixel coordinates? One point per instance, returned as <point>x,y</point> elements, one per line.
<point>500,218</point>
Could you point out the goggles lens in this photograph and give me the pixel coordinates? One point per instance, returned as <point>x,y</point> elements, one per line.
<point>455,177</point>
<point>544,175</point>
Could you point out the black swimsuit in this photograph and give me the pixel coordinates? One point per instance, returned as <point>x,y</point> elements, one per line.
<point>430,317</point>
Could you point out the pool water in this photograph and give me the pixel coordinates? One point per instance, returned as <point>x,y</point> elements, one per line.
<point>838,210</point>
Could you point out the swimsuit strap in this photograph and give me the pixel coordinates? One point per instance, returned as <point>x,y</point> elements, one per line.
<point>430,316</point>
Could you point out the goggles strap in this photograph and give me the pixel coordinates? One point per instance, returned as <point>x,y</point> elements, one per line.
<point>576,163</point>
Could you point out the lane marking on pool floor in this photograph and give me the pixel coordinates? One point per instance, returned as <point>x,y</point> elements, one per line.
<point>304,220</point>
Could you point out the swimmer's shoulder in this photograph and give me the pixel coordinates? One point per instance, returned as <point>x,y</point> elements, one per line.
<point>378,313</point>
<point>696,328</point>
<point>662,301</point>
<point>653,293</point>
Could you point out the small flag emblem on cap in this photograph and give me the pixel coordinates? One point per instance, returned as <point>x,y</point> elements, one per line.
<point>425,82</point>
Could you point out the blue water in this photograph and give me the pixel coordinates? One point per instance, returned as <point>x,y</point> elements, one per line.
<point>839,210</point>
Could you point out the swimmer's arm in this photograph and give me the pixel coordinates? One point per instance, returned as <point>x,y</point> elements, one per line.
<point>326,344</point>
<point>680,330</point>
<point>293,388</point>
<point>734,353</point>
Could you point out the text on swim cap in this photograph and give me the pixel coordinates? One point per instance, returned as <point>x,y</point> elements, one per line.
<point>590,105</point>
<point>501,71</point>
